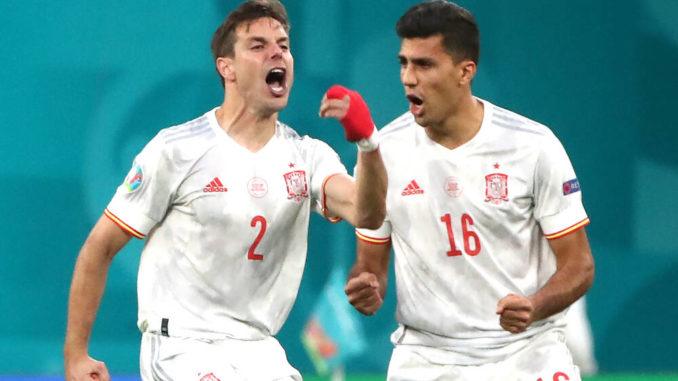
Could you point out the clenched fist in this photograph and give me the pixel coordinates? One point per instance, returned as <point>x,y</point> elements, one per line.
<point>349,107</point>
<point>363,293</point>
<point>515,313</point>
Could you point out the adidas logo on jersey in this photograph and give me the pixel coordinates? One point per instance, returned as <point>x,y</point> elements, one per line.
<point>412,188</point>
<point>209,377</point>
<point>215,186</point>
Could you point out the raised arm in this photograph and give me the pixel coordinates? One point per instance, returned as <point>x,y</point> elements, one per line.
<point>87,287</point>
<point>362,202</point>
<point>573,277</point>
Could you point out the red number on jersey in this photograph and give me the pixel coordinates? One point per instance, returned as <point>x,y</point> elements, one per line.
<point>468,235</point>
<point>453,252</point>
<point>251,255</point>
<point>558,376</point>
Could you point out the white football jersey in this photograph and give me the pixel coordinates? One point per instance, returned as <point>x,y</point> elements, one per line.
<point>470,226</point>
<point>227,228</point>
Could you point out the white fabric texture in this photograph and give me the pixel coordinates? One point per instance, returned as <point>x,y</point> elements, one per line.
<point>227,228</point>
<point>468,227</point>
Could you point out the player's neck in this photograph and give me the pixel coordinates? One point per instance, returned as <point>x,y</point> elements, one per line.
<point>461,125</point>
<point>244,125</point>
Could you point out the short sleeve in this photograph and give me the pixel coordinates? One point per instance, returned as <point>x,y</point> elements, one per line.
<point>141,201</point>
<point>324,164</point>
<point>379,236</point>
<point>558,196</point>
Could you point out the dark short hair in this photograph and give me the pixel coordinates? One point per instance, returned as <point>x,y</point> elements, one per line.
<point>457,26</point>
<point>223,40</point>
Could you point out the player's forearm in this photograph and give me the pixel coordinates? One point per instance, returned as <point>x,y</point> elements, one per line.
<point>372,258</point>
<point>567,285</point>
<point>87,287</point>
<point>370,204</point>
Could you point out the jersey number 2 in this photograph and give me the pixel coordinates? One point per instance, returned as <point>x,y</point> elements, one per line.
<point>470,238</point>
<point>251,254</point>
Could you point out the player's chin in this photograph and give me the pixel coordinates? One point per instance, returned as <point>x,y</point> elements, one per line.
<point>422,120</point>
<point>276,104</point>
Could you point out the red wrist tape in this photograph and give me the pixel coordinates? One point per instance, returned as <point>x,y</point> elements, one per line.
<point>357,122</point>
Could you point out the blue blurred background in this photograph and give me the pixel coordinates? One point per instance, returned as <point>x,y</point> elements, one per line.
<point>84,85</point>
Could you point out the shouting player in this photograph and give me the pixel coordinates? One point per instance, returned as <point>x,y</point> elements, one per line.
<point>485,215</point>
<point>224,202</point>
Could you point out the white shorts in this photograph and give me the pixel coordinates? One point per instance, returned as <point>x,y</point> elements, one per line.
<point>544,358</point>
<point>177,358</point>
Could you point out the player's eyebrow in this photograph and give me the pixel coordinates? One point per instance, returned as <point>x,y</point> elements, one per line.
<point>263,40</point>
<point>256,39</point>
<point>419,61</point>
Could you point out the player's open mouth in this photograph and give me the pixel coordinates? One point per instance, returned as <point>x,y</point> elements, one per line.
<point>416,104</point>
<point>275,79</point>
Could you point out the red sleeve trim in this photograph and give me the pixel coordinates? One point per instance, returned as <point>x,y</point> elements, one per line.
<point>324,199</point>
<point>569,230</point>
<point>122,225</point>
<point>376,241</point>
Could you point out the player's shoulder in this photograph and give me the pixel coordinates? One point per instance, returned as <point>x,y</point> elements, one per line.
<point>190,138</point>
<point>290,135</point>
<point>292,138</point>
<point>400,127</point>
<point>194,131</point>
<point>511,126</point>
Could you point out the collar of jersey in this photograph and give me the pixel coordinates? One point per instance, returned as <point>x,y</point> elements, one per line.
<point>214,124</point>
<point>464,148</point>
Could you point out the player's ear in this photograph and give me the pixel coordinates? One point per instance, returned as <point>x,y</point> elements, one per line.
<point>226,69</point>
<point>468,70</point>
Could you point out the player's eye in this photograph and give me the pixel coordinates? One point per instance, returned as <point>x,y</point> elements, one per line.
<point>424,64</point>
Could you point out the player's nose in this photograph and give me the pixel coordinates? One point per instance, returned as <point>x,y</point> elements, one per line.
<point>407,76</point>
<point>276,51</point>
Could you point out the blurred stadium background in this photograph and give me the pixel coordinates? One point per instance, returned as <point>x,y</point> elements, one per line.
<point>84,85</point>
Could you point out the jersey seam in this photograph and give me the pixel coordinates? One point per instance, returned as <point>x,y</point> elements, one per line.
<point>568,230</point>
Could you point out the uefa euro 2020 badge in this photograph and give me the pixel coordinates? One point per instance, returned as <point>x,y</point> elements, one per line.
<point>134,178</point>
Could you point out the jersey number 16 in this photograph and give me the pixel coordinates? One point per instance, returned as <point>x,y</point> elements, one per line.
<point>470,238</point>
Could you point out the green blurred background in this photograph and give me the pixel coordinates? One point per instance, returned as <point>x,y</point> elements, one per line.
<point>84,84</point>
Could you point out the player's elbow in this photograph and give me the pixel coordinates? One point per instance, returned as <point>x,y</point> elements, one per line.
<point>371,225</point>
<point>372,220</point>
<point>588,273</point>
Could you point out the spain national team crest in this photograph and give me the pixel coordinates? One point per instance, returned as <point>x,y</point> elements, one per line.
<point>297,188</point>
<point>496,188</point>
